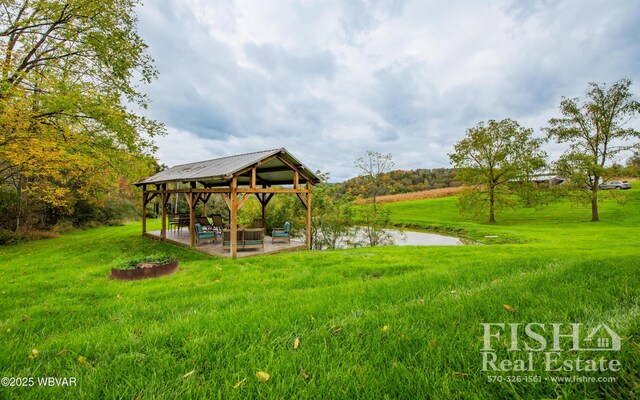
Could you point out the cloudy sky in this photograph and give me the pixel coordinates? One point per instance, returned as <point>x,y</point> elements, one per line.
<point>330,79</point>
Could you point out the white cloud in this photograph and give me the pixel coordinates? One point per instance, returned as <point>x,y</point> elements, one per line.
<point>330,79</point>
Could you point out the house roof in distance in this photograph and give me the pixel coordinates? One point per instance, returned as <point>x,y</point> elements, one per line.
<point>273,167</point>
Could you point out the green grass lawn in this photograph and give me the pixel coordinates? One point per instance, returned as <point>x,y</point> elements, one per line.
<point>395,322</point>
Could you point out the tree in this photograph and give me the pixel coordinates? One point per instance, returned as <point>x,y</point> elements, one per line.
<point>332,216</point>
<point>633,165</point>
<point>596,131</point>
<point>491,157</point>
<point>69,71</point>
<point>374,166</point>
<point>375,219</point>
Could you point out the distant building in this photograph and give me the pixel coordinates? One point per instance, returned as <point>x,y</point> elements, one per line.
<point>547,179</point>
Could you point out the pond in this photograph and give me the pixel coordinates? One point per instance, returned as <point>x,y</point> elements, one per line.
<point>410,238</point>
<point>395,237</point>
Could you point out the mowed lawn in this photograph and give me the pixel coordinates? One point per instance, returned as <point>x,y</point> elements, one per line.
<point>394,322</point>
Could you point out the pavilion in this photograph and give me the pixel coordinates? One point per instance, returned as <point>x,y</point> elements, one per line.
<point>236,178</point>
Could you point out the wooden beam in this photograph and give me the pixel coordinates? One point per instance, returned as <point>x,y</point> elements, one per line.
<point>308,216</point>
<point>293,167</point>
<point>220,190</point>
<point>252,183</point>
<point>149,198</point>
<point>144,212</point>
<point>268,198</point>
<point>296,179</point>
<point>233,220</point>
<point>277,169</point>
<point>164,197</point>
<point>227,200</point>
<point>303,199</point>
<point>258,190</point>
<point>192,219</point>
<point>244,198</point>
<point>264,220</point>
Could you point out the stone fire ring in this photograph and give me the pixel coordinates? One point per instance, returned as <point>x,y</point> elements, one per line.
<point>145,270</point>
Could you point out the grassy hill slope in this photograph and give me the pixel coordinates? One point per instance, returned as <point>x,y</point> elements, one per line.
<point>206,331</point>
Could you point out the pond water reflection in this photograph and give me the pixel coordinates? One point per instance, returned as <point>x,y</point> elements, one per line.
<point>359,238</point>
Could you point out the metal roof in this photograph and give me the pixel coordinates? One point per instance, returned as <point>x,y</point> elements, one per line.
<point>221,170</point>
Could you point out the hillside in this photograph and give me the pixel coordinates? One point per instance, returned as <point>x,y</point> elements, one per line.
<point>404,181</point>
<point>371,323</point>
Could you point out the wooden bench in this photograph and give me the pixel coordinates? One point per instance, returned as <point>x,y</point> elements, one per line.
<point>247,239</point>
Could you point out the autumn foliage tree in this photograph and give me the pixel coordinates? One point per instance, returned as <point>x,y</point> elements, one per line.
<point>69,73</point>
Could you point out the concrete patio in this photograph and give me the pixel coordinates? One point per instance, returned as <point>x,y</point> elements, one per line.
<point>215,248</point>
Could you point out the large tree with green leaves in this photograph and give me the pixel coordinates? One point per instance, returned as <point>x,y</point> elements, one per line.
<point>491,158</point>
<point>69,76</point>
<point>596,130</point>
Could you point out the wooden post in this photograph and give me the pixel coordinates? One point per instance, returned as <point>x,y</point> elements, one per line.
<point>192,218</point>
<point>264,216</point>
<point>308,216</point>
<point>163,201</point>
<point>233,220</point>
<point>252,184</point>
<point>144,209</point>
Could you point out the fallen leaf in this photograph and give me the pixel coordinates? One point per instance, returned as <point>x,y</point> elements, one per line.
<point>138,330</point>
<point>118,296</point>
<point>509,308</point>
<point>262,376</point>
<point>82,359</point>
<point>453,291</point>
<point>296,343</point>
<point>237,385</point>
<point>188,374</point>
<point>305,374</point>
<point>335,329</point>
<point>458,374</point>
<point>385,328</point>
<point>34,353</point>
<point>25,318</point>
<point>421,301</point>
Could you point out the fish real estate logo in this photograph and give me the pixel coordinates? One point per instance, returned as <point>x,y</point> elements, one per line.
<point>555,347</point>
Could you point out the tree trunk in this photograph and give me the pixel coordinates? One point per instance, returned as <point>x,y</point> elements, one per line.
<point>492,199</point>
<point>594,203</point>
<point>19,210</point>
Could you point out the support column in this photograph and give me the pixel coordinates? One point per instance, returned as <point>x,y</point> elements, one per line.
<point>192,218</point>
<point>144,209</point>
<point>264,219</point>
<point>233,220</point>
<point>163,203</point>
<point>308,216</point>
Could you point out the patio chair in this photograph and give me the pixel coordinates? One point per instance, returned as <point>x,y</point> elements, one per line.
<point>217,222</point>
<point>173,221</point>
<point>202,235</point>
<point>282,233</point>
<point>204,221</point>
<point>183,222</point>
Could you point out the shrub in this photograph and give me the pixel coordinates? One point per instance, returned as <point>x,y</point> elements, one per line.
<point>132,263</point>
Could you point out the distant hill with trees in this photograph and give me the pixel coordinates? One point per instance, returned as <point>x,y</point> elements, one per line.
<point>403,181</point>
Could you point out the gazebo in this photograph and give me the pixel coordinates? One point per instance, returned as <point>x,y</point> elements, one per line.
<point>236,179</point>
